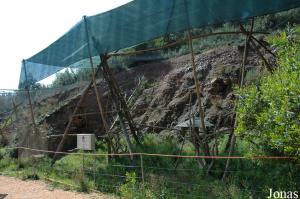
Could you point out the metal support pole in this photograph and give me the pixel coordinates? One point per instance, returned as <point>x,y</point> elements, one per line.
<point>142,168</point>
<point>29,98</point>
<point>82,168</point>
<point>94,167</point>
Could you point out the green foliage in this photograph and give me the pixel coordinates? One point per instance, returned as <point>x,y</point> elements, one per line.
<point>6,163</point>
<point>162,179</point>
<point>31,83</point>
<point>70,76</point>
<point>132,189</point>
<point>269,112</point>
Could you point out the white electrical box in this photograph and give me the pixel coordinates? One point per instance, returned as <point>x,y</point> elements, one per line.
<point>86,142</point>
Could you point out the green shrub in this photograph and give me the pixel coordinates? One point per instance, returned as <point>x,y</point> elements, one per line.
<point>131,189</point>
<point>269,112</point>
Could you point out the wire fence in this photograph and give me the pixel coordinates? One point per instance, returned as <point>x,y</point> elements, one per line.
<point>183,181</point>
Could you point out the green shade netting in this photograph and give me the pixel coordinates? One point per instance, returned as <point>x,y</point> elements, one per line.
<point>140,21</point>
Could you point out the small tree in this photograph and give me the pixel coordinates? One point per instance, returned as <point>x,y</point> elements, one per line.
<point>70,77</point>
<point>31,83</point>
<point>268,113</point>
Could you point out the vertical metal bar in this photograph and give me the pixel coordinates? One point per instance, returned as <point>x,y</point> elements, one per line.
<point>83,175</point>
<point>29,97</point>
<point>94,169</point>
<point>142,168</point>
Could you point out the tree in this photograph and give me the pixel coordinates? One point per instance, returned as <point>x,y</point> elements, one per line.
<point>70,77</point>
<point>268,113</point>
<point>31,83</point>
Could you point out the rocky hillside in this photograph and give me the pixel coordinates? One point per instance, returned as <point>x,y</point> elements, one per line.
<point>160,95</point>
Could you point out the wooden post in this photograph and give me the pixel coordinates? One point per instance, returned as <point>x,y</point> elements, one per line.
<point>29,98</point>
<point>121,116</point>
<point>118,98</point>
<point>257,50</point>
<point>127,138</point>
<point>263,45</point>
<point>245,53</point>
<point>100,106</point>
<point>262,57</point>
<point>15,108</point>
<point>201,162</point>
<point>242,75</point>
<point>201,111</point>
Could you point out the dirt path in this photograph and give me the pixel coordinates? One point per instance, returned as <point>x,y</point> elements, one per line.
<point>12,188</point>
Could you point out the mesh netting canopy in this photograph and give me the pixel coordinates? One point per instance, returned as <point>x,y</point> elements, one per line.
<point>140,21</point>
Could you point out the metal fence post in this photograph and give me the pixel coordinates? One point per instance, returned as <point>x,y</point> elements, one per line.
<point>94,168</point>
<point>142,168</point>
<point>83,168</point>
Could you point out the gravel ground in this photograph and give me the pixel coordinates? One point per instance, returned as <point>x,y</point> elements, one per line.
<point>12,188</point>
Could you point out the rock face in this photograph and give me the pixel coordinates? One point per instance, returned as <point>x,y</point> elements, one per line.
<point>174,95</point>
<point>164,97</point>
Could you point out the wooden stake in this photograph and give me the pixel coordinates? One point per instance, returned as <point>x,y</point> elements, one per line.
<point>245,54</point>
<point>118,98</point>
<point>257,50</point>
<point>100,106</point>
<point>126,135</point>
<point>29,98</point>
<point>263,45</point>
<point>233,138</point>
<point>262,57</point>
<point>201,111</point>
<point>15,108</point>
<point>120,113</point>
<point>201,162</point>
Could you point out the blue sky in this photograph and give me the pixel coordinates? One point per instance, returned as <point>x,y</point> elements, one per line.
<point>28,26</point>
